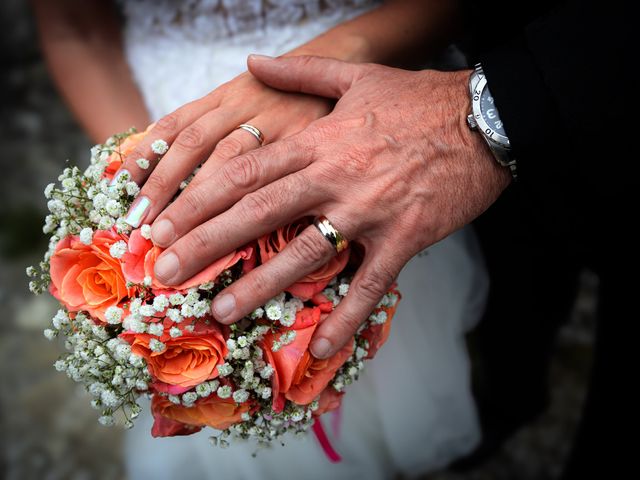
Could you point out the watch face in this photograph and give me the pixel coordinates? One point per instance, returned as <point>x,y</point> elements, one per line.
<point>490,112</point>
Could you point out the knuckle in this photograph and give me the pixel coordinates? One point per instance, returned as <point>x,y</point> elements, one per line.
<point>199,240</point>
<point>229,147</point>
<point>259,208</point>
<point>168,123</point>
<point>374,283</point>
<point>243,172</point>
<point>310,249</point>
<point>194,201</point>
<point>356,161</point>
<point>191,138</point>
<point>156,184</point>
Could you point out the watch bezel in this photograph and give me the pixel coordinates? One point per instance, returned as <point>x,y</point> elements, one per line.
<point>489,133</point>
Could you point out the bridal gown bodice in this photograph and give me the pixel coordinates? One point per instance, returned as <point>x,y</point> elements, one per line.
<point>412,410</point>
<point>180,50</point>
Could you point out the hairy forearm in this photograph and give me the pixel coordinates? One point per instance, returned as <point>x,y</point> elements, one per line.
<point>83,50</point>
<point>399,32</point>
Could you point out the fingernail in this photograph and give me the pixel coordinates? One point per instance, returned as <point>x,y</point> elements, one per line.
<point>167,266</point>
<point>119,174</point>
<point>223,305</point>
<point>321,348</point>
<point>259,58</point>
<point>163,233</point>
<point>138,211</point>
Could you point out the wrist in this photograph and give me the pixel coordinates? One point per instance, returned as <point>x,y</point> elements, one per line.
<point>349,48</point>
<point>499,177</point>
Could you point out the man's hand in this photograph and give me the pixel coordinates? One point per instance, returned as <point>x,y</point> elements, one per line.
<point>394,167</point>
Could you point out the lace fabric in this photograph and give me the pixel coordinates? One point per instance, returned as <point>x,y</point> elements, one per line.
<point>212,19</point>
<point>181,50</point>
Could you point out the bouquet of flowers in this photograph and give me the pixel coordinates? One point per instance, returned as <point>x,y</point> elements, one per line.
<point>128,335</point>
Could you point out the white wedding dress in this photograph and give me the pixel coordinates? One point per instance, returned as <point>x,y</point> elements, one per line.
<point>411,412</point>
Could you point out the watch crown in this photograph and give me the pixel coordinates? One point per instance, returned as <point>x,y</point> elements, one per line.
<point>472,121</point>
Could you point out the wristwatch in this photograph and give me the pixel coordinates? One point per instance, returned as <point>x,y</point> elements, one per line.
<point>485,119</point>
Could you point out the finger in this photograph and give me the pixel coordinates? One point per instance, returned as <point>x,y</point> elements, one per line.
<point>238,142</point>
<point>189,149</point>
<point>303,255</point>
<point>326,77</point>
<point>257,213</point>
<point>167,129</point>
<point>231,182</point>
<point>372,280</point>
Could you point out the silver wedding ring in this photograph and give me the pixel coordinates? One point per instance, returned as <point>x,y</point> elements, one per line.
<point>253,131</point>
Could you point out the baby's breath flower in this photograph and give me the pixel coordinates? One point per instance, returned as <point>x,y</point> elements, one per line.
<point>189,398</point>
<point>257,313</point>
<point>156,329</point>
<point>273,310</point>
<point>118,249</point>
<point>106,420</point>
<point>113,315</point>
<point>240,396</point>
<point>147,281</point>
<point>175,332</point>
<point>50,334</point>
<point>174,315</point>
<point>204,389</point>
<point>143,163</point>
<point>113,207</point>
<point>176,299</point>
<point>86,236</point>
<point>225,369</point>
<point>156,345</point>
<point>159,147</point>
<point>266,372</point>
<point>160,303</point>
<point>49,190</point>
<point>224,391</point>
<point>200,309</point>
<point>186,310</point>
<point>132,189</point>
<point>343,289</point>
<point>147,311</point>
<point>266,393</point>
<point>145,231</point>
<point>106,223</point>
<point>60,365</point>
<point>174,399</point>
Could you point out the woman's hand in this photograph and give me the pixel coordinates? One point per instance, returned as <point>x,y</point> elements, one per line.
<point>205,132</point>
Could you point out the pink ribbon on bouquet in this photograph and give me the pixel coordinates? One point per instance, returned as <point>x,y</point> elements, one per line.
<point>324,441</point>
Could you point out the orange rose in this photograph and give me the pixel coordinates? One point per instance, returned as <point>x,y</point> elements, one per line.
<point>212,411</point>
<point>187,360</point>
<point>87,277</point>
<point>114,162</point>
<point>299,376</point>
<point>307,287</point>
<point>141,257</point>
<point>378,334</point>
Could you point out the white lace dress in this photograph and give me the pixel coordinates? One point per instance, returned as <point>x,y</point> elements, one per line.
<point>412,411</point>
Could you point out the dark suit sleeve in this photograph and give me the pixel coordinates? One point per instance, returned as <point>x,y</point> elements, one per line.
<point>562,87</point>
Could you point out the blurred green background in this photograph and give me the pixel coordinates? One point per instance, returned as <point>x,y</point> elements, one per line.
<point>47,429</point>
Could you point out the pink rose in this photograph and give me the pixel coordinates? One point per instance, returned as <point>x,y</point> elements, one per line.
<point>307,287</point>
<point>139,260</point>
<point>299,376</point>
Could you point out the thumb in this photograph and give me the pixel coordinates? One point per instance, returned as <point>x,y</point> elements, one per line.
<point>321,76</point>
